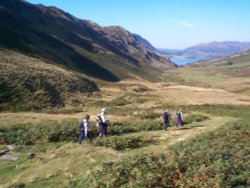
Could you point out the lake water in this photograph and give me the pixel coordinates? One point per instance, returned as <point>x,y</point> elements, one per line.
<point>179,60</point>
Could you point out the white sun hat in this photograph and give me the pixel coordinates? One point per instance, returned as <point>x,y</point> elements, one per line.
<point>104,110</point>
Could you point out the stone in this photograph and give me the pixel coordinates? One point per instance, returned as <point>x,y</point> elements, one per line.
<point>9,158</point>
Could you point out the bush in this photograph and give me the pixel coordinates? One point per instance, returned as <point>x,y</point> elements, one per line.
<point>149,115</point>
<point>120,143</point>
<point>129,127</point>
<point>230,63</point>
<point>195,118</point>
<point>135,171</point>
<point>31,134</point>
<point>215,159</point>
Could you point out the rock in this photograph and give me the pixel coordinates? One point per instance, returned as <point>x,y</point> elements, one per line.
<point>31,155</point>
<point>4,152</point>
<point>10,147</point>
<point>9,158</point>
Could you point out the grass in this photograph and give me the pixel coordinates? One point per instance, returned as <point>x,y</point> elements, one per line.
<point>138,153</point>
<point>130,151</point>
<point>231,74</point>
<point>215,159</point>
<point>32,84</point>
<point>128,142</point>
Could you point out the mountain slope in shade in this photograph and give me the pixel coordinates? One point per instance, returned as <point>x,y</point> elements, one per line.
<point>99,52</point>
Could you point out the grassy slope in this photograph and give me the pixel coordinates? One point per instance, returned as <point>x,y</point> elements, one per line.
<point>214,159</point>
<point>70,170</point>
<point>29,83</point>
<point>218,158</point>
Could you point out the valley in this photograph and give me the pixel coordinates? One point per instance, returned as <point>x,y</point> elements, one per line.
<point>135,131</point>
<point>55,69</point>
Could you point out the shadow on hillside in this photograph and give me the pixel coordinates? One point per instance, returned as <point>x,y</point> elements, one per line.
<point>38,43</point>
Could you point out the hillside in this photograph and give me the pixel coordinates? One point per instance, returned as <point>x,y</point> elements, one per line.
<point>204,153</point>
<point>32,84</point>
<point>80,45</point>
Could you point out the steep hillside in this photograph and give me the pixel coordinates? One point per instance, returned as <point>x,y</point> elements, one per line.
<point>100,52</point>
<point>29,83</point>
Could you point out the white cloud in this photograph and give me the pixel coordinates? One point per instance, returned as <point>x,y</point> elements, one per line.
<point>182,23</point>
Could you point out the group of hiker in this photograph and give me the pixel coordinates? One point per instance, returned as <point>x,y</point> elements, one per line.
<point>102,123</point>
<point>166,117</point>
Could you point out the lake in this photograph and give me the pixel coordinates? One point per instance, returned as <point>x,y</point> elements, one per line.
<point>180,60</point>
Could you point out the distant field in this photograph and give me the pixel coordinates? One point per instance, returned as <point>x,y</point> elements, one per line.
<point>231,74</point>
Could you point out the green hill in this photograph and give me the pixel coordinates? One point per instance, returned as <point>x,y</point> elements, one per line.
<point>29,83</point>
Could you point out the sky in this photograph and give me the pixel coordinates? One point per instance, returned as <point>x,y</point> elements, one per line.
<point>167,24</point>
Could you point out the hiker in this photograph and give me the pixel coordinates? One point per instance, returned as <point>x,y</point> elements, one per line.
<point>103,123</point>
<point>166,117</point>
<point>179,118</point>
<point>84,129</point>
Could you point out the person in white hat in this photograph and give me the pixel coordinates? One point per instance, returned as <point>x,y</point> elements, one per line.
<point>103,122</point>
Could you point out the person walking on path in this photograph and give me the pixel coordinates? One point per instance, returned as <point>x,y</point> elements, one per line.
<point>84,129</point>
<point>166,117</point>
<point>103,123</point>
<point>179,118</point>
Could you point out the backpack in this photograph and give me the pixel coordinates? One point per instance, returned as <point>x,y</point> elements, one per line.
<point>80,126</point>
<point>100,119</point>
<point>178,113</point>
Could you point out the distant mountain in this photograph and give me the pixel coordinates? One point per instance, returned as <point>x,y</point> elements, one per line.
<point>206,51</point>
<point>218,49</point>
<point>168,51</point>
<point>105,53</point>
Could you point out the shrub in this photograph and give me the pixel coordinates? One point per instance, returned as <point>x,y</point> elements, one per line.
<point>215,159</point>
<point>149,115</point>
<point>195,118</point>
<point>129,127</point>
<point>135,171</point>
<point>45,131</point>
<point>120,143</point>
